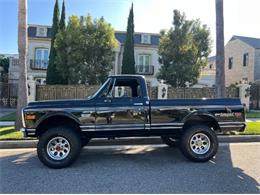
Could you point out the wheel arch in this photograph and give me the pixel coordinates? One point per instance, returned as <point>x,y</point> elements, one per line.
<point>199,118</point>
<point>55,119</point>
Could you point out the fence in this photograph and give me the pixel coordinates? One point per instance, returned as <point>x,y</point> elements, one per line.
<point>8,94</point>
<point>192,93</point>
<point>52,92</point>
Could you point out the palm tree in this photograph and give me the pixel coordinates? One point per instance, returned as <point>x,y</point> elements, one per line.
<point>220,55</point>
<point>22,49</point>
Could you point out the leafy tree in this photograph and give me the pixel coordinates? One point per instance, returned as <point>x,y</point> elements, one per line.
<point>85,50</point>
<point>63,17</point>
<point>128,64</point>
<point>4,66</point>
<point>220,55</point>
<point>183,51</point>
<point>52,74</point>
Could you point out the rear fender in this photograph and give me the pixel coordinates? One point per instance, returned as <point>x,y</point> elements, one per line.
<point>198,117</point>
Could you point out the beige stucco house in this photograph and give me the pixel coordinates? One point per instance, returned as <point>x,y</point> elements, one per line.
<point>242,60</point>
<point>39,42</point>
<point>242,63</point>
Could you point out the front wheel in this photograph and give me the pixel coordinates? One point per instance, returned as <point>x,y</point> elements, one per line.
<point>59,147</point>
<point>199,143</point>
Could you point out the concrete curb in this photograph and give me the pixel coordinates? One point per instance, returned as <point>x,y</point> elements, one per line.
<point>12,144</point>
<point>6,123</point>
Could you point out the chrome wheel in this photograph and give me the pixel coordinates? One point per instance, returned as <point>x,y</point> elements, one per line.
<point>200,143</point>
<point>58,148</point>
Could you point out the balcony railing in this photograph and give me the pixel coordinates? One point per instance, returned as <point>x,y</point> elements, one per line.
<point>145,70</point>
<point>39,64</point>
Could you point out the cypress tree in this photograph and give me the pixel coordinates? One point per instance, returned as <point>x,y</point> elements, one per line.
<point>128,66</point>
<point>62,27</point>
<point>52,71</point>
<point>63,17</point>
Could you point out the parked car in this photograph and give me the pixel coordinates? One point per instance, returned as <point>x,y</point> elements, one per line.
<point>122,108</point>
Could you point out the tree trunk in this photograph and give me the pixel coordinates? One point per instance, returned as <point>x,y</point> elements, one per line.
<point>220,55</point>
<point>22,49</point>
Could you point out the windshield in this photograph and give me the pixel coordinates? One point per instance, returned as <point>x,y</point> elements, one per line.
<point>101,88</point>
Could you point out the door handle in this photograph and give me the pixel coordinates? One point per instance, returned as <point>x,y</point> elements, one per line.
<point>107,100</point>
<point>138,104</point>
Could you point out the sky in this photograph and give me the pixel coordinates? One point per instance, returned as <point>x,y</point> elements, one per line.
<point>241,17</point>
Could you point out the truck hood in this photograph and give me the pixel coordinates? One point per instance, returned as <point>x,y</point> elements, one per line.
<point>59,103</point>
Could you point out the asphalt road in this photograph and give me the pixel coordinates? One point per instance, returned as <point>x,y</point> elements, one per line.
<point>134,169</point>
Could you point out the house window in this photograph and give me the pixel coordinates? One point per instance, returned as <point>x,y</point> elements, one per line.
<point>230,63</point>
<point>41,58</point>
<point>245,59</point>
<point>146,39</point>
<point>41,32</point>
<point>144,64</point>
<point>144,59</point>
<point>210,66</point>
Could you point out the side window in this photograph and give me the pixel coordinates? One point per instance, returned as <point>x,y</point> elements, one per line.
<point>122,91</point>
<point>126,88</point>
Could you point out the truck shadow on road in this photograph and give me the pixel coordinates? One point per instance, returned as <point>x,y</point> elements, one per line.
<point>127,169</point>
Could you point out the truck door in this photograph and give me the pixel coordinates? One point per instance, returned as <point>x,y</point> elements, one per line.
<point>123,108</point>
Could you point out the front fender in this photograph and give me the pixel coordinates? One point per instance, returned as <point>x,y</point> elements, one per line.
<point>56,113</point>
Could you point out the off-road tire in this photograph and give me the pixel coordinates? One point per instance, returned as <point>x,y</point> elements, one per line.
<point>186,144</point>
<point>67,133</point>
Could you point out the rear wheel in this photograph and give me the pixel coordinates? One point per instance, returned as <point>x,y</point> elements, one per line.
<point>170,141</point>
<point>199,143</point>
<point>59,147</point>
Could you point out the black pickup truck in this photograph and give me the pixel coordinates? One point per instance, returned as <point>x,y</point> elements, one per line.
<point>122,108</point>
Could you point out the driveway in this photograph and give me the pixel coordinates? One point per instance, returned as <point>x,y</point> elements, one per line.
<point>134,169</point>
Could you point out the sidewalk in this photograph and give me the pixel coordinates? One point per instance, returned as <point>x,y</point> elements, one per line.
<point>253,120</point>
<point>6,123</point>
<point>5,111</point>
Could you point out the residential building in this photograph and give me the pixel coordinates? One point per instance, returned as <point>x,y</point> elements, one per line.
<point>242,63</point>
<point>39,43</point>
<point>242,60</point>
<point>146,55</point>
<point>207,75</point>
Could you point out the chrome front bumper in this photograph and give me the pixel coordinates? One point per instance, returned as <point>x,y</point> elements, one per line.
<point>28,132</point>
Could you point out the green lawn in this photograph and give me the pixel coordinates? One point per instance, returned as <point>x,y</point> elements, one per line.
<point>253,115</point>
<point>252,128</point>
<point>9,133</point>
<point>9,117</point>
